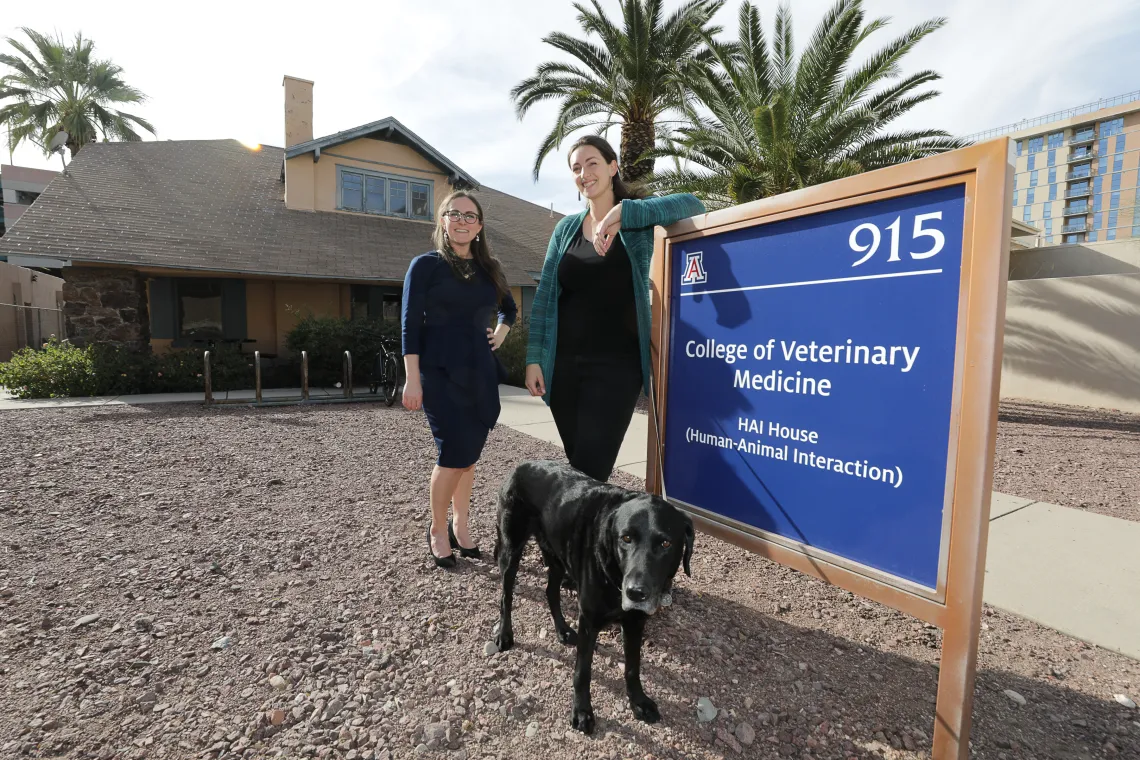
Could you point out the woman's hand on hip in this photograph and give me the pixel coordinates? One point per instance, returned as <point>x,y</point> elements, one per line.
<point>497,336</point>
<point>534,381</point>
<point>413,395</point>
<point>607,229</point>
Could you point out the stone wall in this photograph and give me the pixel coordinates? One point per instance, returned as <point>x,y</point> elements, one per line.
<point>106,306</point>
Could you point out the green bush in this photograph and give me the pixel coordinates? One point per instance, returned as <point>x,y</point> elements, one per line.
<point>61,369</point>
<point>58,369</point>
<point>513,353</point>
<point>325,339</point>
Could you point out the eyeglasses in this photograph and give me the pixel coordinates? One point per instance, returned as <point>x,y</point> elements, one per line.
<point>455,216</point>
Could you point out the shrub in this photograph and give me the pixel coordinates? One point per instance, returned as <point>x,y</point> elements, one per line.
<point>325,339</point>
<point>513,353</point>
<point>59,369</point>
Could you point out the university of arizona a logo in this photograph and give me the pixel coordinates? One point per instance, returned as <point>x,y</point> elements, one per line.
<point>694,273</point>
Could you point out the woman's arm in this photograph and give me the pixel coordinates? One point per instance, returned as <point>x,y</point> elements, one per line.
<point>664,210</point>
<point>508,312</point>
<point>536,339</point>
<point>411,324</point>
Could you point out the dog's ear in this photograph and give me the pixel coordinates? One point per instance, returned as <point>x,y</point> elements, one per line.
<point>604,552</point>
<point>689,536</point>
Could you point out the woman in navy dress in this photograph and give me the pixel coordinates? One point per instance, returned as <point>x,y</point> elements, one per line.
<point>450,297</point>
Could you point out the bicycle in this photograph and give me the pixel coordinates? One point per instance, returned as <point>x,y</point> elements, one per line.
<point>385,372</point>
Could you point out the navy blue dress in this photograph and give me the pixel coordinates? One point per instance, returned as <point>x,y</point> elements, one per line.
<point>445,321</point>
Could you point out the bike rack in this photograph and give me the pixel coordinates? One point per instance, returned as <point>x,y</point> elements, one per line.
<point>258,400</point>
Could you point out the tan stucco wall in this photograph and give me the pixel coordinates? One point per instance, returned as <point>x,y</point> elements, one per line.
<point>320,299</point>
<point>17,288</point>
<point>261,316</point>
<point>312,186</point>
<point>1072,327</point>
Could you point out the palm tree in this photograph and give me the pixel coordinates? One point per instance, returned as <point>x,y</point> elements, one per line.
<point>775,124</point>
<point>64,88</point>
<point>636,74</point>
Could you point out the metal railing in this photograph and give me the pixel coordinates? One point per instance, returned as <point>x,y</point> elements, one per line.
<point>27,326</point>
<point>1079,227</point>
<point>346,383</point>
<point>1077,192</point>
<point>1075,210</point>
<point>1091,107</point>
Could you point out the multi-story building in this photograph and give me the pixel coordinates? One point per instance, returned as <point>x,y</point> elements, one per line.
<point>1076,177</point>
<point>20,186</point>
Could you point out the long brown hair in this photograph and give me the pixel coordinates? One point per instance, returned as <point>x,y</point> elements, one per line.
<point>621,189</point>
<point>480,246</point>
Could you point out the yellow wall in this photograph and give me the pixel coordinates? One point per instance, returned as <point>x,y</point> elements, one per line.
<point>319,298</point>
<point>261,317</point>
<point>312,186</point>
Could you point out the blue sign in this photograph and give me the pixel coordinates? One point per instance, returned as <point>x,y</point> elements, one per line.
<point>811,376</point>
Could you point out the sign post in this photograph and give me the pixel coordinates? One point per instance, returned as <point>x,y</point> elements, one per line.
<point>827,367</point>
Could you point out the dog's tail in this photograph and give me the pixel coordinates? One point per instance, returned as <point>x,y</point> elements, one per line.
<point>510,499</point>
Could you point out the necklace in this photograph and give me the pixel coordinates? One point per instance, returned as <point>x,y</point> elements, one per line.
<point>465,268</point>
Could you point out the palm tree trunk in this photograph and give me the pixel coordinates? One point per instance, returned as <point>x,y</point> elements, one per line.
<point>637,137</point>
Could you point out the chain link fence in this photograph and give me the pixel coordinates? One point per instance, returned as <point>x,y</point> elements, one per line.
<point>23,326</point>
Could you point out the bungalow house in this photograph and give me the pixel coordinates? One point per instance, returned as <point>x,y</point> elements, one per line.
<point>177,243</point>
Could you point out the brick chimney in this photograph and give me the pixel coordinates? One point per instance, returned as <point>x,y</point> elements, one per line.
<point>298,111</point>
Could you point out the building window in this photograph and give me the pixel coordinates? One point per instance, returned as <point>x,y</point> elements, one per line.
<point>1015,192</point>
<point>1096,202</point>
<point>1098,184</point>
<point>1052,192</point>
<point>1026,214</point>
<point>1102,146</point>
<point>1036,144</point>
<point>1052,158</point>
<point>1110,233</point>
<point>1033,179</point>
<point>1092,237</point>
<point>1114,199</point>
<point>1072,239</point>
<point>199,303</point>
<point>1112,127</point>
<point>25,197</point>
<point>1052,176</point>
<point>1102,165</point>
<point>1118,163</point>
<point>1097,221</point>
<point>1032,163</point>
<point>372,192</point>
<point>1120,143</point>
<point>1049,227</point>
<point>1048,210</point>
<point>1029,195</point>
<point>1020,146</point>
<point>1056,140</point>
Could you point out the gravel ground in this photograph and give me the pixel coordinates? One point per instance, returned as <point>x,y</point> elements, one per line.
<point>1069,455</point>
<point>190,583</point>
<point>1073,456</point>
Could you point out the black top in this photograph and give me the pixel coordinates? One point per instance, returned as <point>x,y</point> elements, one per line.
<point>596,312</point>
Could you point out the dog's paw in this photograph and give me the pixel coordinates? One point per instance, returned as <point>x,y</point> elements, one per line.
<point>645,709</point>
<point>583,720</point>
<point>568,637</point>
<point>504,640</point>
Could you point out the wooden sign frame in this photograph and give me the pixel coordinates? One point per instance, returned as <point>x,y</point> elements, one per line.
<point>986,170</point>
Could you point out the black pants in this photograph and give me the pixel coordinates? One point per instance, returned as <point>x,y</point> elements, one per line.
<point>592,400</point>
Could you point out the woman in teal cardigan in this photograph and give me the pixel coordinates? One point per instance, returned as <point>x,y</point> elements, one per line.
<point>588,350</point>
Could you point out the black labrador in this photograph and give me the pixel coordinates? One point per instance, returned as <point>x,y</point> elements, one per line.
<point>621,549</point>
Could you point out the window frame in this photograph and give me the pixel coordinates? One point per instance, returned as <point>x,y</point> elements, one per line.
<point>181,283</point>
<point>388,178</point>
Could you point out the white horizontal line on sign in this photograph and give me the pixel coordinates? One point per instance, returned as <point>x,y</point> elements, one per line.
<point>814,282</point>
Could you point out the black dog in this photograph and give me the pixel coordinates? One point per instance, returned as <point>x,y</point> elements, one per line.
<point>620,547</point>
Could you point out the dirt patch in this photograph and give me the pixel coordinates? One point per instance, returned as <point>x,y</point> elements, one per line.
<point>179,582</point>
<point>1073,456</point>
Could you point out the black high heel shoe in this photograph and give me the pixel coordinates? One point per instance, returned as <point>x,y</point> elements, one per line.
<point>473,553</point>
<point>449,560</point>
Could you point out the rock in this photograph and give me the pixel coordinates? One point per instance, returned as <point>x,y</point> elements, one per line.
<point>47,623</point>
<point>748,703</point>
<point>746,734</point>
<point>85,620</point>
<point>490,648</point>
<point>1015,696</point>
<point>706,711</point>
<point>223,643</point>
<point>279,683</point>
<point>51,724</point>
<point>276,717</point>
<point>435,732</point>
<point>1124,700</point>
<point>532,730</point>
<point>144,625</point>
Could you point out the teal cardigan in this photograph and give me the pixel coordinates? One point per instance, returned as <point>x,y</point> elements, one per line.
<point>638,218</point>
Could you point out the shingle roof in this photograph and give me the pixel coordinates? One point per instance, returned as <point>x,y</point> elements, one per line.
<point>215,205</point>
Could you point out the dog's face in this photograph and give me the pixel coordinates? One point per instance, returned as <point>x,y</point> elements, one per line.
<point>645,540</point>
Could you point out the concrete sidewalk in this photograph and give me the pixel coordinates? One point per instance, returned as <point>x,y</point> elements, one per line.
<point>269,394</point>
<point>1073,571</point>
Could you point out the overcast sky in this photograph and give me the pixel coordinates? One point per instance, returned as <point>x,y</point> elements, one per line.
<point>445,68</point>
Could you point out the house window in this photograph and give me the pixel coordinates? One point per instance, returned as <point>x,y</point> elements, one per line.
<point>199,304</point>
<point>372,192</point>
